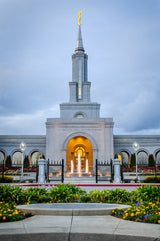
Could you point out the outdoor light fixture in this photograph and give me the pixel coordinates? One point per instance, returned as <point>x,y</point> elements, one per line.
<point>136,148</point>
<point>22,147</point>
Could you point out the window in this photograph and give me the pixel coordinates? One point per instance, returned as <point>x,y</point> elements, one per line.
<point>79,116</point>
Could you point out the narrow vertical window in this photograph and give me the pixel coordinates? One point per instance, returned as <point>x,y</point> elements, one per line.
<point>79,79</point>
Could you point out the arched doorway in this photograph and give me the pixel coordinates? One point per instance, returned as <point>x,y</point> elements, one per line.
<point>79,147</point>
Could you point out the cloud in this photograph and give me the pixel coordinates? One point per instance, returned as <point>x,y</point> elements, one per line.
<point>27,123</point>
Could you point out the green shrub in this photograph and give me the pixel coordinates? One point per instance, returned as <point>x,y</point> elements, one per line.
<point>66,193</point>
<point>96,196</point>
<point>146,193</point>
<point>37,194</point>
<point>70,193</point>
<point>11,194</point>
<point>117,195</point>
<point>152,179</point>
<point>5,179</point>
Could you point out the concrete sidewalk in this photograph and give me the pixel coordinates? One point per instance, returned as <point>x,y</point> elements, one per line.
<point>76,228</point>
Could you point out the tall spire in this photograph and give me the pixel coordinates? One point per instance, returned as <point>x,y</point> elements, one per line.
<point>79,46</point>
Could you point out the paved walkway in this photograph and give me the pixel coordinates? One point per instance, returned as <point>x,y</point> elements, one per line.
<point>76,228</point>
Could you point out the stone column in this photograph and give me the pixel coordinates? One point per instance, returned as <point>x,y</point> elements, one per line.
<point>41,176</point>
<point>117,171</point>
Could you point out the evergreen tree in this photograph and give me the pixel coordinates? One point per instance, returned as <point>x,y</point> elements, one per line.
<point>8,162</point>
<point>26,161</point>
<point>133,160</point>
<point>151,161</point>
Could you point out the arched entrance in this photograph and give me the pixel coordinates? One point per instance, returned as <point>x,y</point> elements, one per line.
<point>79,148</point>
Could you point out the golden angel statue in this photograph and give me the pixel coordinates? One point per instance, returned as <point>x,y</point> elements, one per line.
<point>79,16</point>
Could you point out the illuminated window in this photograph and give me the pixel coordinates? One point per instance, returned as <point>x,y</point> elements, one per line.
<point>80,150</point>
<point>79,116</point>
<point>79,80</point>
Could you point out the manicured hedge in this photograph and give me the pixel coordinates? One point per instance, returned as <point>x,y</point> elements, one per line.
<point>71,193</point>
<point>152,179</point>
<point>6,179</point>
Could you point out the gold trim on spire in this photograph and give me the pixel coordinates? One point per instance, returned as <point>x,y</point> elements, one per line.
<point>79,16</point>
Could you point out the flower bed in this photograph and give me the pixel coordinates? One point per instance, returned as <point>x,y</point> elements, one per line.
<point>147,212</point>
<point>8,213</point>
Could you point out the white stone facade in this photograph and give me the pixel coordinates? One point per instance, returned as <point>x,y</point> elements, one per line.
<point>61,131</point>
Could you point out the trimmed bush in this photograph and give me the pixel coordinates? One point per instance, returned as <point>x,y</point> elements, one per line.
<point>6,179</point>
<point>152,179</point>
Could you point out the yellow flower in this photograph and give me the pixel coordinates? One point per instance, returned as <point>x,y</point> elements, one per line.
<point>10,215</point>
<point>4,218</point>
<point>158,221</point>
<point>28,203</point>
<point>132,214</point>
<point>0,214</point>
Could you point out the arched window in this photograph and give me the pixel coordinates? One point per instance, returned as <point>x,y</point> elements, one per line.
<point>17,158</point>
<point>79,116</point>
<point>125,157</point>
<point>34,157</point>
<point>80,152</point>
<point>142,158</point>
<point>158,158</point>
<point>2,157</point>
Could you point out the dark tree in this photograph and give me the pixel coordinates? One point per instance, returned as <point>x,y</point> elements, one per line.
<point>8,162</point>
<point>26,161</point>
<point>151,161</point>
<point>133,160</point>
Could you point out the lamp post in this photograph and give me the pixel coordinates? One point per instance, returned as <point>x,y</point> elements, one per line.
<point>22,147</point>
<point>136,147</point>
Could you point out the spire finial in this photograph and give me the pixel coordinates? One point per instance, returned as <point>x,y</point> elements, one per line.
<point>79,46</point>
<point>79,16</point>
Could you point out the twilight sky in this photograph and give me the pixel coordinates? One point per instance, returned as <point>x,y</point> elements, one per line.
<point>37,40</point>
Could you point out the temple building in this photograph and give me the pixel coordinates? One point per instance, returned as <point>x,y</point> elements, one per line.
<point>79,132</point>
